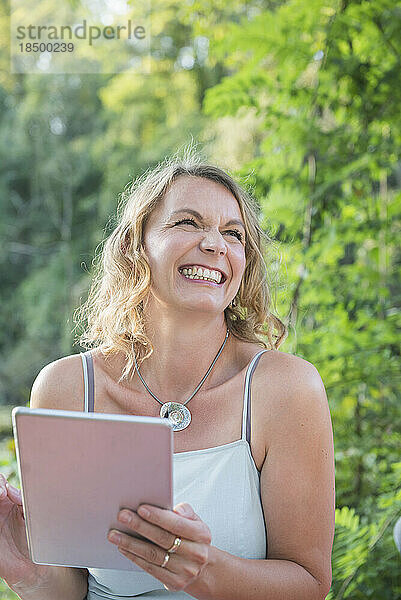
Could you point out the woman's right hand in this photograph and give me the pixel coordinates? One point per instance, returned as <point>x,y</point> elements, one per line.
<point>15,564</point>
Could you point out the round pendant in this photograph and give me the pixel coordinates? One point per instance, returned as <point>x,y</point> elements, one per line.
<point>178,415</point>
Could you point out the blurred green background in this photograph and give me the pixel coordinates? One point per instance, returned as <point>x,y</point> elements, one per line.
<point>301,101</point>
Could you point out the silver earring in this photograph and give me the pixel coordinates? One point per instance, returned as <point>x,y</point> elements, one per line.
<point>233,303</point>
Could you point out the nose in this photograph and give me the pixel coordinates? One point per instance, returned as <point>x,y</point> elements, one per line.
<point>213,243</point>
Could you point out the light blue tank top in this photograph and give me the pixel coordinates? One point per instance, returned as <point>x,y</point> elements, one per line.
<point>221,483</point>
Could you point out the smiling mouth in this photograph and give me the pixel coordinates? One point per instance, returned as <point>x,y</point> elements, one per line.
<point>204,275</point>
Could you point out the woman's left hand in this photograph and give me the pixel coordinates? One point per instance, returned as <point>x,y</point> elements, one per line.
<point>161,527</point>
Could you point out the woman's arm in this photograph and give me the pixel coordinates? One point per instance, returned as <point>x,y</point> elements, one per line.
<point>298,497</point>
<point>228,577</point>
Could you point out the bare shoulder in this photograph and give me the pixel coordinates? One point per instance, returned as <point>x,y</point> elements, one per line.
<point>59,385</point>
<point>297,478</point>
<point>291,370</point>
<point>289,387</point>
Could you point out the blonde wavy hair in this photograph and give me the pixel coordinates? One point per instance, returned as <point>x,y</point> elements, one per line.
<point>112,316</point>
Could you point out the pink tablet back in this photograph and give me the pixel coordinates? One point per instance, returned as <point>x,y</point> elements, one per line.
<point>78,470</point>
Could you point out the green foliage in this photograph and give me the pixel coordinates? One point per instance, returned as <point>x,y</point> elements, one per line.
<point>70,144</point>
<point>351,546</point>
<point>359,548</point>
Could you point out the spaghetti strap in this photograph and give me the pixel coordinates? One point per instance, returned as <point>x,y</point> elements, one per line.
<point>246,412</point>
<point>89,381</point>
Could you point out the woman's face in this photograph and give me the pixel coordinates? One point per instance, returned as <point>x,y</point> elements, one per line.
<point>197,226</point>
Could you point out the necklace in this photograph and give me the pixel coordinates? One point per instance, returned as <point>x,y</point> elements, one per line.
<point>176,412</point>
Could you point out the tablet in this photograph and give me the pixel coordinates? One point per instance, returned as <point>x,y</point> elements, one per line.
<point>77,470</point>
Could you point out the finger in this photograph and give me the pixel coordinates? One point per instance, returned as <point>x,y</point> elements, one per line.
<point>14,494</point>
<point>173,581</point>
<point>155,534</point>
<point>197,531</point>
<point>3,488</point>
<point>193,551</point>
<point>161,537</point>
<point>150,552</point>
<point>185,510</point>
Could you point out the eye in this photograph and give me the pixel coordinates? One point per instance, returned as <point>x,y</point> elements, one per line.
<point>191,221</point>
<point>236,233</point>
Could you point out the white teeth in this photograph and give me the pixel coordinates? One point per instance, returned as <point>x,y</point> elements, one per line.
<point>202,273</point>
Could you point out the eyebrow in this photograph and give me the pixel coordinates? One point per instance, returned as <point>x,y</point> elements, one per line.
<point>200,218</point>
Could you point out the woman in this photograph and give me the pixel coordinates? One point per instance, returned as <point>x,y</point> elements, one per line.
<point>182,282</point>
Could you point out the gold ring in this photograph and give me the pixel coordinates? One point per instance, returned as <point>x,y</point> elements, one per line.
<point>177,543</point>
<point>164,585</point>
<point>166,559</point>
